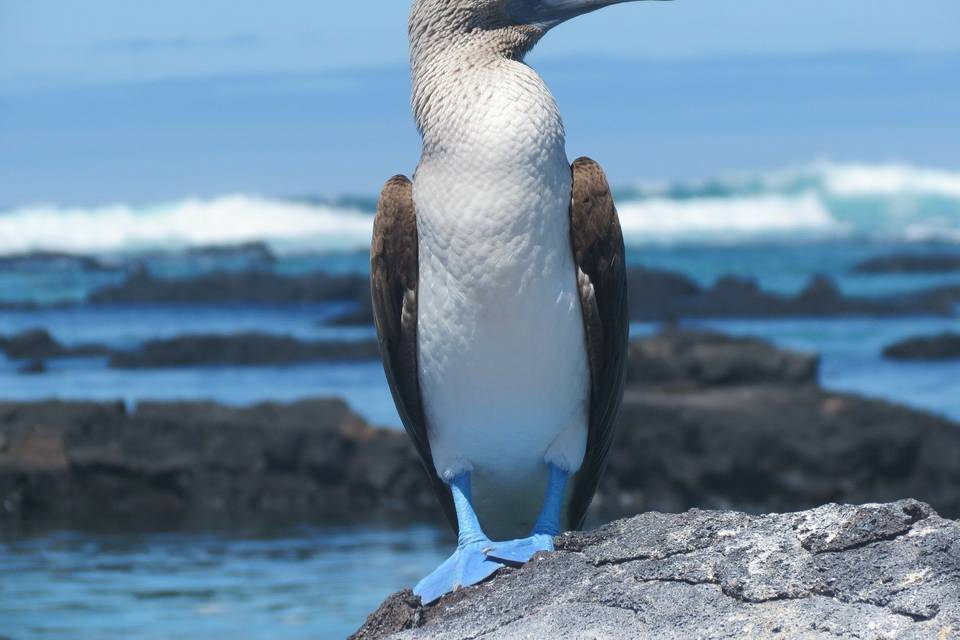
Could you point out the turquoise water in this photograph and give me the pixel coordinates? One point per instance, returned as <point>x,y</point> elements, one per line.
<point>295,580</point>
<point>283,582</point>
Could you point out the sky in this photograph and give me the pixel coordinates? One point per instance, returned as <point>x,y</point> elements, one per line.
<point>66,41</point>
<point>111,100</point>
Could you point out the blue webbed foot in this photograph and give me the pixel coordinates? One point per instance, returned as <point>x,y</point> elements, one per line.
<point>517,552</point>
<point>469,563</point>
<point>467,566</point>
<point>477,557</point>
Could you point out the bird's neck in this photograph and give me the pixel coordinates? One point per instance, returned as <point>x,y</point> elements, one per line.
<point>475,89</point>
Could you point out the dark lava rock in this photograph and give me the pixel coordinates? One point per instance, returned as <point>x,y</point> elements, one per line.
<point>651,289</point>
<point>734,296</point>
<point>700,435</point>
<point>945,346</point>
<point>205,258</point>
<point>910,263</point>
<point>876,571</point>
<point>654,295</point>
<point>38,344</point>
<point>685,358</point>
<point>361,315</point>
<point>256,251</point>
<point>312,457</point>
<point>225,287</point>
<point>240,349</point>
<point>33,367</point>
<point>32,343</point>
<point>763,448</point>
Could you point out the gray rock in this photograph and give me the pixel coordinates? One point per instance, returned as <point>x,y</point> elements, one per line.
<point>943,346</point>
<point>692,359</point>
<point>241,349</point>
<point>870,572</point>
<point>656,295</point>
<point>728,423</point>
<point>762,448</point>
<point>33,367</point>
<point>82,459</point>
<point>234,287</point>
<point>38,344</point>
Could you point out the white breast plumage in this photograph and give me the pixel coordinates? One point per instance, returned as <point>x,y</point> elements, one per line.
<point>502,359</point>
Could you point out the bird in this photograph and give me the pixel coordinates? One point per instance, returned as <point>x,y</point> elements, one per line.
<point>499,292</point>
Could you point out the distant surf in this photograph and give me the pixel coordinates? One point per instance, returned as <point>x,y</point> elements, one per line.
<point>819,201</point>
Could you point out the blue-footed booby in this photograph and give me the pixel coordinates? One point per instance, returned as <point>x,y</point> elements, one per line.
<point>499,289</point>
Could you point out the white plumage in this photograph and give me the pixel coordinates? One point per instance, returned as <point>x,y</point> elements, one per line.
<point>502,358</point>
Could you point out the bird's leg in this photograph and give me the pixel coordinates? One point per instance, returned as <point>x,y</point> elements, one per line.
<point>549,521</point>
<point>469,564</point>
<point>516,552</point>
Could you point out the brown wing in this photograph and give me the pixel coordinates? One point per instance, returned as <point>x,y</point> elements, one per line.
<point>602,280</point>
<point>394,274</point>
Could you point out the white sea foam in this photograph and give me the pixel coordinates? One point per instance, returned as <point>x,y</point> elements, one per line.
<point>888,180</point>
<point>725,218</point>
<point>219,221</point>
<point>820,199</point>
<point>889,200</point>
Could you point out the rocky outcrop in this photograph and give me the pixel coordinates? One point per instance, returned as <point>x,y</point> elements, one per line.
<point>312,457</point>
<point>658,296</point>
<point>733,423</point>
<point>35,346</point>
<point>764,448</point>
<point>910,263</point>
<point>235,287</point>
<point>945,346</point>
<point>654,295</point>
<point>243,254</point>
<point>39,345</point>
<point>872,572</point>
<point>241,349</point>
<point>689,359</point>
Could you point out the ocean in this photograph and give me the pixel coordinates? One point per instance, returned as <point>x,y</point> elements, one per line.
<point>305,579</point>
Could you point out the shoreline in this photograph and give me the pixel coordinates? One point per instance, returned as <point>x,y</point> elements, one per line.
<point>708,421</point>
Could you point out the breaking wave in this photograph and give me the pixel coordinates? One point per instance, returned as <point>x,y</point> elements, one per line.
<point>284,225</point>
<point>823,199</point>
<point>892,201</point>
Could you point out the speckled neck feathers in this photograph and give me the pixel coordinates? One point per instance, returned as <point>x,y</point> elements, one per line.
<point>453,51</point>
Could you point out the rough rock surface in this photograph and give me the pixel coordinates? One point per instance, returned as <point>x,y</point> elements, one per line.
<point>877,571</point>
<point>761,448</point>
<point>313,457</point>
<point>945,346</point>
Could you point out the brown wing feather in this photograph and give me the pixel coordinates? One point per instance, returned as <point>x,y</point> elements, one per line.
<point>602,280</point>
<point>394,275</point>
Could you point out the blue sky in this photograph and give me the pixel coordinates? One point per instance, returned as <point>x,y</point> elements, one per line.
<point>65,41</point>
<point>111,100</point>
